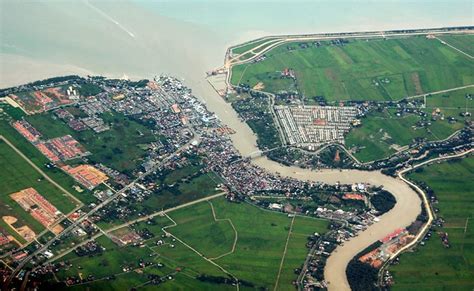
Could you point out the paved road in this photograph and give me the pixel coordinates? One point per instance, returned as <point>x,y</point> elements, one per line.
<point>402,214</point>
<point>292,38</point>
<point>440,91</point>
<point>455,48</point>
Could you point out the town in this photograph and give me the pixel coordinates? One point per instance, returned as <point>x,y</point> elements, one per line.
<point>188,141</point>
<point>205,152</point>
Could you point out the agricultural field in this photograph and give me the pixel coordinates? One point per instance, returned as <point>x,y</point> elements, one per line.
<point>259,248</point>
<point>462,42</point>
<point>17,175</point>
<point>383,133</point>
<point>207,237</point>
<point>200,186</point>
<point>36,156</point>
<point>432,266</point>
<point>120,148</point>
<point>374,69</point>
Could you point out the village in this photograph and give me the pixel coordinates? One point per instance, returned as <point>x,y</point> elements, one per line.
<point>312,126</point>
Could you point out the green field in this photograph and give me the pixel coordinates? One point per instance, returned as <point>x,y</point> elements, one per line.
<point>462,42</point>
<point>375,69</point>
<point>119,148</point>
<point>15,175</point>
<point>260,241</point>
<point>434,267</point>
<point>200,186</point>
<point>37,157</point>
<point>260,244</point>
<point>383,133</point>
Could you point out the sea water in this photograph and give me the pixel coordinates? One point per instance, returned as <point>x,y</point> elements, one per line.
<point>140,38</point>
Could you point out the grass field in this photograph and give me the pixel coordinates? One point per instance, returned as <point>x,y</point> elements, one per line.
<point>261,238</point>
<point>15,175</point>
<point>381,134</point>
<point>364,70</point>
<point>434,267</point>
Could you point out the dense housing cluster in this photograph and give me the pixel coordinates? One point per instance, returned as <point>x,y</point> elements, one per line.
<point>315,125</point>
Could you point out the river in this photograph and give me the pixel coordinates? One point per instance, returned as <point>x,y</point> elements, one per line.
<point>140,39</point>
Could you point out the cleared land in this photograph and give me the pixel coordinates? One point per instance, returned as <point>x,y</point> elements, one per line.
<point>376,69</point>
<point>383,133</point>
<point>434,267</point>
<point>259,237</point>
<point>15,175</point>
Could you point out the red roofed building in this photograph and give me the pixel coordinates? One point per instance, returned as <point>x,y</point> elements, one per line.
<point>392,235</point>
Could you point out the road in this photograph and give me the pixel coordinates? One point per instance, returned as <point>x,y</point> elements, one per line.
<point>284,253</point>
<point>159,213</point>
<point>67,230</point>
<point>426,203</point>
<point>276,41</point>
<point>455,48</point>
<point>440,91</point>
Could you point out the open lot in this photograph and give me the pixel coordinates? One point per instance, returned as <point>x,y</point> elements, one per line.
<point>242,239</point>
<point>434,267</point>
<point>16,175</point>
<point>375,69</point>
